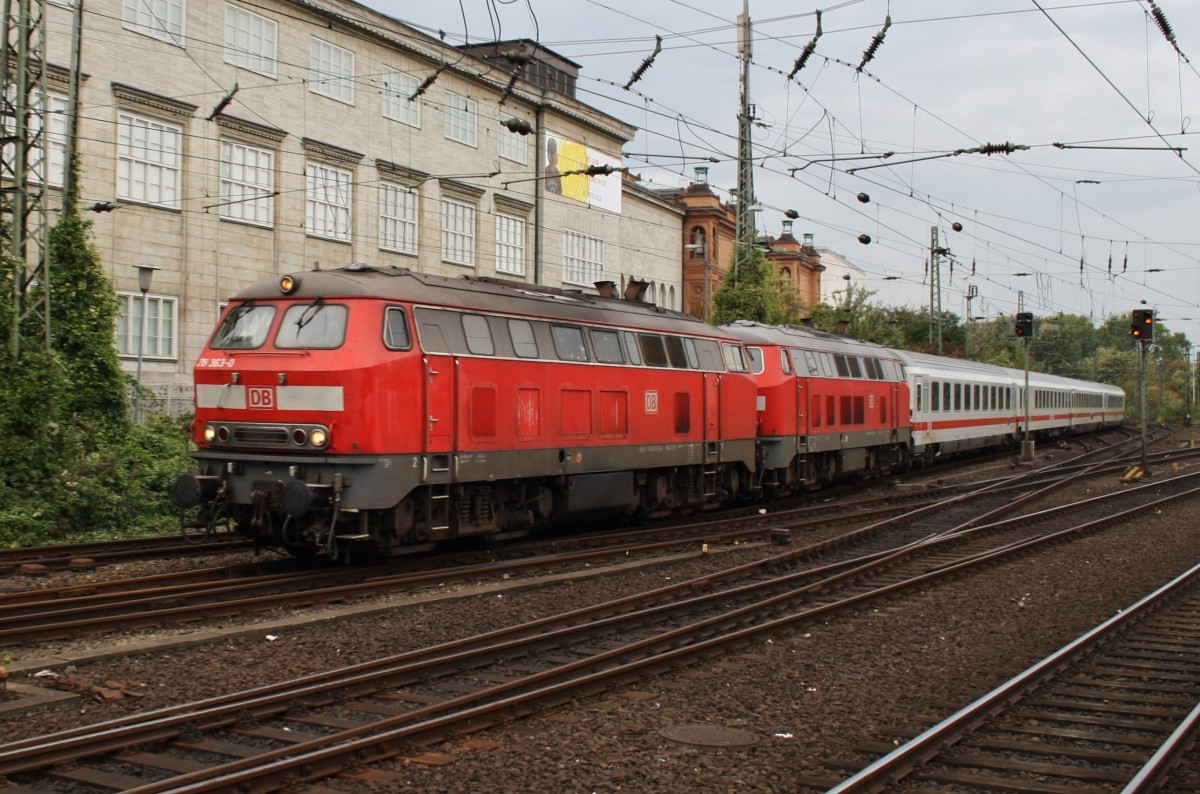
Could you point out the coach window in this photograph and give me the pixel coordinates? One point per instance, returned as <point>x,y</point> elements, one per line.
<point>631,348</point>
<point>826,364</point>
<point>607,346</point>
<point>523,342</point>
<point>653,351</point>
<point>479,336</point>
<point>958,396</point>
<point>843,369</point>
<point>315,325</point>
<point>689,350</point>
<point>785,363</point>
<point>675,354</point>
<point>945,396</point>
<point>855,368</point>
<point>975,401</point>
<point>935,392</point>
<point>568,343</point>
<point>395,329</point>
<point>756,359</point>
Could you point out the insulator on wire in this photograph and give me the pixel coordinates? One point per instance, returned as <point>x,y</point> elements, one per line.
<point>428,81</point>
<point>641,70</point>
<point>865,239</point>
<point>809,49</point>
<point>875,42</point>
<point>1164,26</point>
<point>863,197</point>
<point>956,226</point>
<point>519,126</point>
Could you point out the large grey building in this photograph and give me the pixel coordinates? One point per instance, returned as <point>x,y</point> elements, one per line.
<point>222,142</point>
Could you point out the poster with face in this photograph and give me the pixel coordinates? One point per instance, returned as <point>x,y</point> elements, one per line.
<point>564,156</point>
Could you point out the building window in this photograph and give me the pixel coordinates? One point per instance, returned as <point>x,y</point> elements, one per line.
<point>51,170</point>
<point>250,41</point>
<point>461,120</point>
<point>512,146</point>
<point>397,88</point>
<point>160,319</point>
<point>397,218</point>
<point>510,245</point>
<point>583,258</point>
<point>328,203</point>
<point>458,232</point>
<point>247,184</point>
<point>149,154</point>
<point>331,71</point>
<point>160,19</point>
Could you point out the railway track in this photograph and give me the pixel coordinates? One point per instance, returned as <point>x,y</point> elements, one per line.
<point>161,600</point>
<point>309,728</point>
<point>100,552</point>
<point>1111,711</point>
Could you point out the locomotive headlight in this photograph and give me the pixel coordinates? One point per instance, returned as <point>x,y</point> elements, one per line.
<point>288,284</point>
<point>210,433</point>
<point>318,437</point>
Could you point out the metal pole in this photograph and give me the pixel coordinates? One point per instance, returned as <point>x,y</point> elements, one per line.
<point>1142,384</point>
<point>707,282</point>
<point>1026,444</point>
<point>137,394</point>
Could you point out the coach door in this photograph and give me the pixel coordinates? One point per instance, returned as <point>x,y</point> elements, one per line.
<point>440,402</point>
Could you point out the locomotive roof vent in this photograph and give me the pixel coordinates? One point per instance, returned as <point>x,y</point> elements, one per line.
<point>359,267</point>
<point>635,290</point>
<point>607,289</point>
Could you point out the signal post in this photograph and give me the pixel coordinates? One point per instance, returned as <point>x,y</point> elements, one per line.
<point>1023,329</point>
<point>1141,330</point>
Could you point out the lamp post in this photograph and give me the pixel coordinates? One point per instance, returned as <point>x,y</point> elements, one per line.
<point>145,275</point>
<point>702,248</point>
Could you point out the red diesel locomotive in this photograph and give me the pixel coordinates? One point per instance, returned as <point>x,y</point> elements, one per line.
<point>376,410</point>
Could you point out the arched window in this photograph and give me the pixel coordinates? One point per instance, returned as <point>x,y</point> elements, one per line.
<point>671,297</point>
<point>698,239</point>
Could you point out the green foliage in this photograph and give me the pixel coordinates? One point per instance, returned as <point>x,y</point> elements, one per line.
<point>752,291</point>
<point>83,313</point>
<point>72,464</point>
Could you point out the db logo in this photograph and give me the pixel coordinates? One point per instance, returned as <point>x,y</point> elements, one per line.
<point>260,397</point>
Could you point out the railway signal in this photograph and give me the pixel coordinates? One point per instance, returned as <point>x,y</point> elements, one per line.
<point>1024,325</point>
<point>1143,325</point>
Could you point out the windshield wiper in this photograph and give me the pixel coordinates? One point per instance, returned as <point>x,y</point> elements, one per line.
<point>309,313</point>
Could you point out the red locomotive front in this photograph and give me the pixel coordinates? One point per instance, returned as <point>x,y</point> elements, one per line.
<point>382,409</point>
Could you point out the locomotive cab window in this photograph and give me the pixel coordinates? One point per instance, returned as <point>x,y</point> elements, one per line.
<point>523,342</point>
<point>735,358</point>
<point>608,347</point>
<point>568,343</point>
<point>244,328</point>
<point>316,325</point>
<point>785,363</point>
<point>635,355</point>
<point>654,353</point>
<point>855,369</point>
<point>756,359</point>
<point>675,352</point>
<point>479,336</point>
<point>395,329</point>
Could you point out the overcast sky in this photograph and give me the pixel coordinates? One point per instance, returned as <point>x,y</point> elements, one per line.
<point>947,76</point>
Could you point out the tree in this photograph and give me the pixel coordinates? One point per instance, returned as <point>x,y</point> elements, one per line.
<point>753,292</point>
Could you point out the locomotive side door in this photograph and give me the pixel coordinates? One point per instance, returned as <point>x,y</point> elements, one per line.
<point>712,407</point>
<point>440,402</point>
